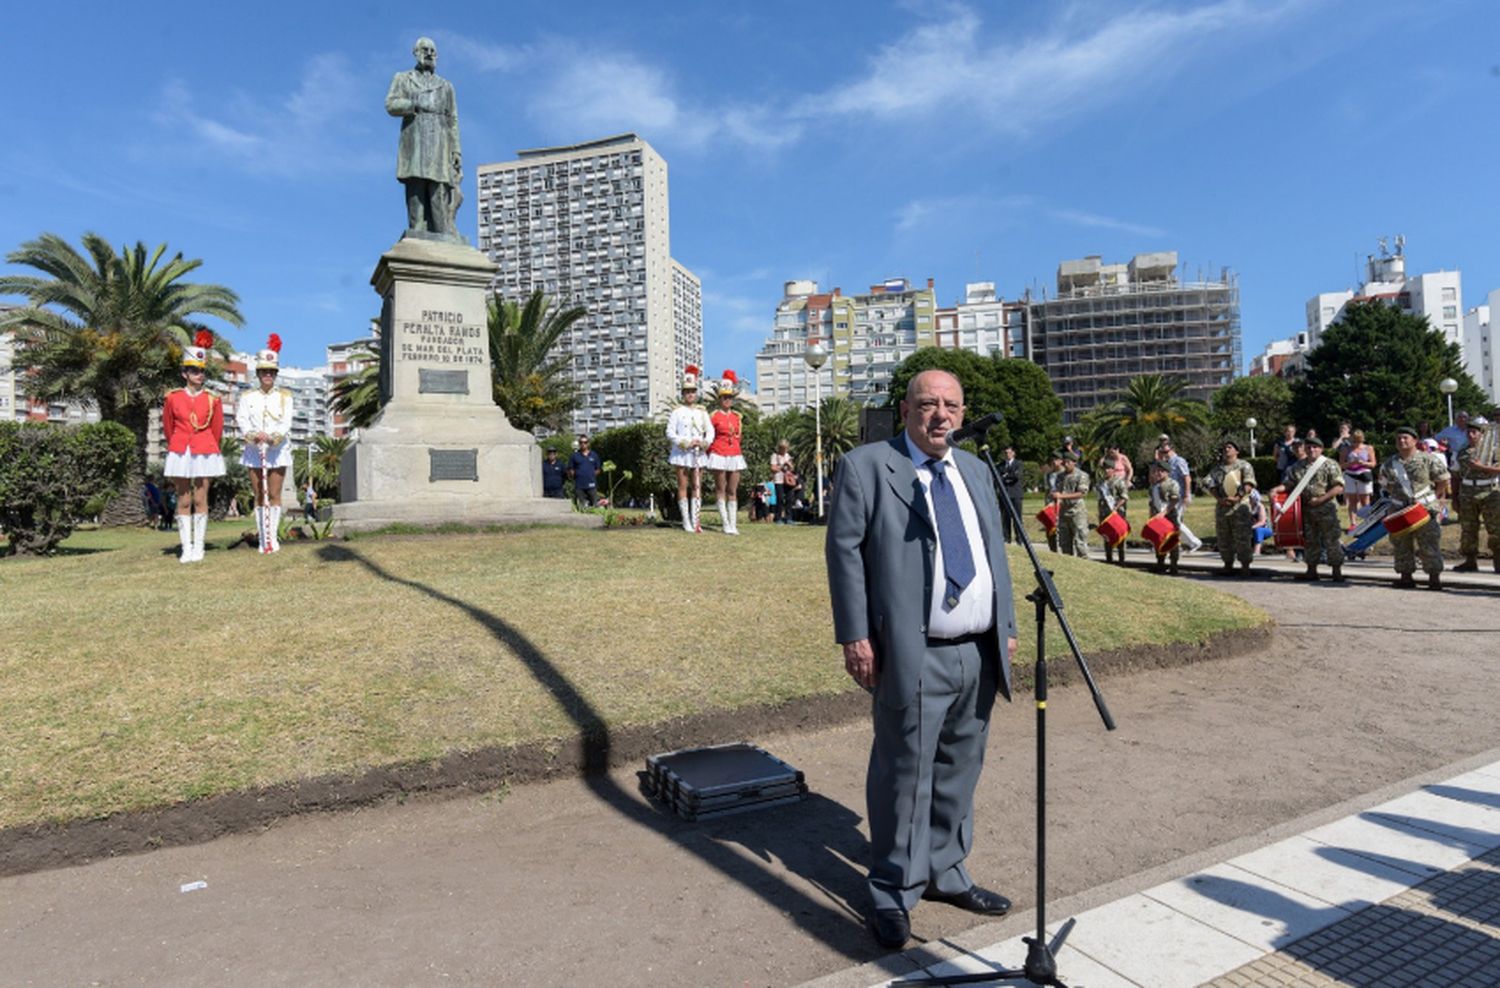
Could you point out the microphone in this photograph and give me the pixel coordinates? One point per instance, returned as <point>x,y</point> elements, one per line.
<point>976,428</point>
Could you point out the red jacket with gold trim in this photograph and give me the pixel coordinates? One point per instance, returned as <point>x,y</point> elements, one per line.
<point>192,423</point>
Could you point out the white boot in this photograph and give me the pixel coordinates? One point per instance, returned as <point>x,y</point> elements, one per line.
<point>697,510</point>
<point>274,527</point>
<point>684,506</point>
<point>260,529</point>
<point>200,529</point>
<point>723,516</point>
<point>185,536</point>
<point>734,518</point>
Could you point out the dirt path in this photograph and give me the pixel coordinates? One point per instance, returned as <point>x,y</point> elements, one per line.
<point>583,882</point>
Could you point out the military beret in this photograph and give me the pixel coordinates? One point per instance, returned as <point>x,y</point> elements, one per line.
<point>1407,430</point>
<point>1313,441</point>
<point>1068,454</point>
<point>1228,443</point>
<point>1478,422</point>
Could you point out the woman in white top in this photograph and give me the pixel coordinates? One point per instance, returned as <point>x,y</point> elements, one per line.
<point>264,416</point>
<point>690,432</point>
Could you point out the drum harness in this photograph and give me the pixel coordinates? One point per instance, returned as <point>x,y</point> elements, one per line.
<point>1424,496</point>
<point>1307,475</point>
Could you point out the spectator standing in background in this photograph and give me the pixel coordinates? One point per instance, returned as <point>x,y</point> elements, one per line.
<point>1358,463</point>
<point>553,474</point>
<point>1012,481</point>
<point>584,466</point>
<point>781,465</point>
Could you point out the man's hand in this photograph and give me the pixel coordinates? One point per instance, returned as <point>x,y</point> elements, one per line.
<point>1010,648</point>
<point>859,662</point>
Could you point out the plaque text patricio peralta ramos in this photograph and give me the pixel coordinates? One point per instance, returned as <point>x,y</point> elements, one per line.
<point>443,338</point>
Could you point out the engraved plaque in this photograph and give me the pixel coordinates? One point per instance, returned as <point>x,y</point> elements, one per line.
<point>453,464</point>
<point>442,382</point>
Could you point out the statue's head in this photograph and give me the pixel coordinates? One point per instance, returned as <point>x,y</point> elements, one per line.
<point>426,51</point>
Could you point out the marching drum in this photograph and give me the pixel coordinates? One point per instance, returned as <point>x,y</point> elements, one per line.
<point>1162,534</point>
<point>1113,529</point>
<point>1288,525</point>
<point>1370,530</point>
<point>1048,517</point>
<point>1407,520</point>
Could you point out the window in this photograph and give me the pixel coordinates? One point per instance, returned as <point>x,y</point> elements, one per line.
<point>1450,294</point>
<point>1450,312</point>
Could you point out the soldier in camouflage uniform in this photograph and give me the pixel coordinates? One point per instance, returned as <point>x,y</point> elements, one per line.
<point>1481,500</point>
<point>1166,499</point>
<point>1415,476</point>
<point>1320,509</point>
<point>1113,492</point>
<point>1230,482</point>
<point>1072,512</point>
<point>1049,484</point>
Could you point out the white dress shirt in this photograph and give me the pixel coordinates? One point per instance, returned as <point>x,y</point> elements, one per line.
<point>975,610</point>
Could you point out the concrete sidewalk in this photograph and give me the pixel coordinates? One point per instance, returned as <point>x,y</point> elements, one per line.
<point>1372,569</point>
<point>1405,891</point>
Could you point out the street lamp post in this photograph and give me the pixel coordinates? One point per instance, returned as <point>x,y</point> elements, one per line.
<point>1250,424</point>
<point>816,356</point>
<point>1447,386</point>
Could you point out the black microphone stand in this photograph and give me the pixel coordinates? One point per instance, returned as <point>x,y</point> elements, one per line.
<point>1040,967</point>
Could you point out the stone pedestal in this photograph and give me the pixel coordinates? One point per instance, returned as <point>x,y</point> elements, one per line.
<point>441,449</point>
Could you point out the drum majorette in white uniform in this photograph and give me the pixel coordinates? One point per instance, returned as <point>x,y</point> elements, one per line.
<point>725,458</point>
<point>690,433</point>
<point>265,420</point>
<point>192,418</point>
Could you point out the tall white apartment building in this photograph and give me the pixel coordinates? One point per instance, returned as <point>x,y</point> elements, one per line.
<point>983,323</point>
<point>589,225</point>
<point>1437,295</point>
<point>1479,347</point>
<point>687,317</point>
<point>342,360</point>
<point>7,373</point>
<point>866,336</point>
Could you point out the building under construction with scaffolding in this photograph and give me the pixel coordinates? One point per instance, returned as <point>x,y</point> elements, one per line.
<point>1112,322</point>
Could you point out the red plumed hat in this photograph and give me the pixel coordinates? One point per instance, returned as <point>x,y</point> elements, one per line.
<point>690,377</point>
<point>269,358</point>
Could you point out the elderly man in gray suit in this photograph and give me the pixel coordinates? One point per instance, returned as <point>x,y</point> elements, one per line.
<point>922,606</point>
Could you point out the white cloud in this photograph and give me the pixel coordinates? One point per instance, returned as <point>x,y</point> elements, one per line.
<point>1080,217</point>
<point>307,130</point>
<point>1015,85</point>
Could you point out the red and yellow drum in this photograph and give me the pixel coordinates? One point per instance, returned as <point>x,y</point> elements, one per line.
<point>1113,529</point>
<point>1162,534</point>
<point>1288,526</point>
<point>1407,520</point>
<point>1048,517</point>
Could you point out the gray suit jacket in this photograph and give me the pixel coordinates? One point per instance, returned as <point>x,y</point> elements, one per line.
<point>880,551</point>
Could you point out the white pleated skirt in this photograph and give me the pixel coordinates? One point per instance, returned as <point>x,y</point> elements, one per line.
<point>194,465</point>
<point>277,457</point>
<point>688,458</point>
<point>717,462</point>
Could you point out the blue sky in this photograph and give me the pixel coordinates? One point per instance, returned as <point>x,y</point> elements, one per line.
<point>838,141</point>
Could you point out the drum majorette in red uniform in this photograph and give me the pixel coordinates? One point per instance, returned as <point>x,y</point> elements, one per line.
<point>264,416</point>
<point>724,456</point>
<point>690,433</point>
<point>193,420</point>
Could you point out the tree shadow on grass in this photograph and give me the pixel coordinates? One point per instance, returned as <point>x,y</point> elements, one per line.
<point>817,848</point>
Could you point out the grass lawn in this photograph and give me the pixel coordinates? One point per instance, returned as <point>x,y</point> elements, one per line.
<point>129,681</point>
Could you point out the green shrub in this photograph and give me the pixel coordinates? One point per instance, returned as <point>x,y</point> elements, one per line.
<point>50,475</point>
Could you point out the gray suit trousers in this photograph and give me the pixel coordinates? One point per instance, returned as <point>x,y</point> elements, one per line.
<point>924,766</point>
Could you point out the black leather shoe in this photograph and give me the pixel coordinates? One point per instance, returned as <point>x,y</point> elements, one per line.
<point>974,899</point>
<point>891,927</point>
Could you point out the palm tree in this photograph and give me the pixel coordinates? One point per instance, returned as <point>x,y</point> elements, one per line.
<point>356,396</point>
<point>1150,405</point>
<point>107,330</point>
<point>840,420</point>
<point>327,453</point>
<point>531,383</point>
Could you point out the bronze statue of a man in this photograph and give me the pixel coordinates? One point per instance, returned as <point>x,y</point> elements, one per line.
<point>428,161</point>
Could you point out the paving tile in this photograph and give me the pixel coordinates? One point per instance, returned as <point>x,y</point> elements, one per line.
<point>1392,843</point>
<point>1336,876</point>
<point>1472,826</point>
<point>1073,966</point>
<point>1247,907</point>
<point>1154,945</point>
